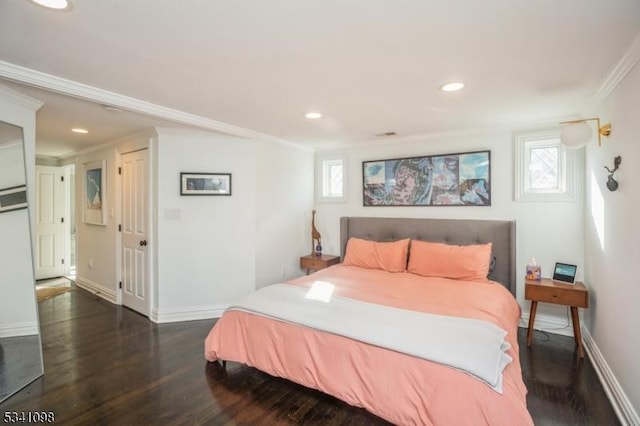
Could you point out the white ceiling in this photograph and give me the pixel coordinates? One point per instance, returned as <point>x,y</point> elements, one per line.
<point>370,66</point>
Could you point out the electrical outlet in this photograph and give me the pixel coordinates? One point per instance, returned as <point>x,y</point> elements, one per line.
<point>283,271</point>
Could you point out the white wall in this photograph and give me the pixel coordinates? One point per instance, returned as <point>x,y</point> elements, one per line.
<point>206,250</point>
<point>18,314</point>
<point>205,244</point>
<point>546,231</point>
<point>18,310</point>
<point>97,250</point>
<point>214,249</point>
<point>19,110</point>
<point>612,234</point>
<point>284,200</point>
<point>11,164</point>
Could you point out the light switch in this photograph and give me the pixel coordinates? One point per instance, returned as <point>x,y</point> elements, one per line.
<point>172,214</point>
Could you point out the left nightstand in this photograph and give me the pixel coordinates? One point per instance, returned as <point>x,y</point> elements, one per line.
<point>312,262</point>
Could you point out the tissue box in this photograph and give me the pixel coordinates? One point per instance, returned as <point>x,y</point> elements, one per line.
<point>534,273</point>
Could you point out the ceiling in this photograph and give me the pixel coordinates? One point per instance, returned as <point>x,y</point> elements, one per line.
<point>61,113</point>
<point>256,67</point>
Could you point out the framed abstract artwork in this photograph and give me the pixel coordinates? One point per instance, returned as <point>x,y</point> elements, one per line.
<point>461,179</point>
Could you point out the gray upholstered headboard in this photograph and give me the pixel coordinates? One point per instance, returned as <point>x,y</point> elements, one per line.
<point>502,233</point>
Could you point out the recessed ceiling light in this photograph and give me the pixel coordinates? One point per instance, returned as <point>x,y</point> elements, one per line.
<point>53,4</point>
<point>451,87</point>
<point>79,130</point>
<point>313,115</point>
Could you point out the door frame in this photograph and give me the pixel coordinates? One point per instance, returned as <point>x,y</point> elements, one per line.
<point>69,211</point>
<point>148,141</point>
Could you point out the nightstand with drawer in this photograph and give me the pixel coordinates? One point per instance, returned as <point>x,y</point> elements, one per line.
<point>312,262</point>
<point>549,291</point>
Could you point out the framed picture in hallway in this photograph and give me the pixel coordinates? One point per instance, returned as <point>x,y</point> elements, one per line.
<point>205,183</point>
<point>94,196</point>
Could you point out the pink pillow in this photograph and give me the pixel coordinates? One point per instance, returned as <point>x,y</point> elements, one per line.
<point>469,263</point>
<point>390,257</point>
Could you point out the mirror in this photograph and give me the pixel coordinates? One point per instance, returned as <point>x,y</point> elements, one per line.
<point>20,346</point>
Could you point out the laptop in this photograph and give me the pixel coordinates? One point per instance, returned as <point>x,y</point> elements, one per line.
<point>565,273</point>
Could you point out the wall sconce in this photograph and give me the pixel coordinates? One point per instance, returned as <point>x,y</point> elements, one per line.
<point>575,134</point>
<point>612,184</point>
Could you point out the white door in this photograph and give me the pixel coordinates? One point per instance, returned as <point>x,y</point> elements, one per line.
<point>135,229</point>
<point>49,223</point>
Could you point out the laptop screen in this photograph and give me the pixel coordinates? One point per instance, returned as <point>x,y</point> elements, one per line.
<point>565,272</point>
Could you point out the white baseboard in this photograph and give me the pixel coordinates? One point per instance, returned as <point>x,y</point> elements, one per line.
<point>19,329</point>
<point>97,289</point>
<point>549,324</point>
<point>621,404</point>
<point>186,314</point>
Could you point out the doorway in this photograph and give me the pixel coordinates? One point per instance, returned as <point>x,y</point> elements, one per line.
<point>69,191</point>
<point>49,253</point>
<point>56,222</point>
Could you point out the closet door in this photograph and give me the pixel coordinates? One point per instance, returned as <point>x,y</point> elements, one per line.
<point>135,231</point>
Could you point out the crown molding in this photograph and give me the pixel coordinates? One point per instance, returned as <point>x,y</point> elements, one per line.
<point>89,93</point>
<point>46,160</point>
<point>505,128</point>
<point>20,99</point>
<point>116,143</point>
<point>615,77</point>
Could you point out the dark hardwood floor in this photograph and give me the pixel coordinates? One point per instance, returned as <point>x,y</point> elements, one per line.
<point>106,365</point>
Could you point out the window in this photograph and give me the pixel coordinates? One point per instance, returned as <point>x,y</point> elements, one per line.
<point>545,169</point>
<point>330,178</point>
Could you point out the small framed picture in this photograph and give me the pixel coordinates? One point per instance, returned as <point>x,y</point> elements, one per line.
<point>205,183</point>
<point>13,198</point>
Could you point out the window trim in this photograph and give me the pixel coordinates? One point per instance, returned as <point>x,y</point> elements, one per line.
<point>320,178</point>
<point>567,173</point>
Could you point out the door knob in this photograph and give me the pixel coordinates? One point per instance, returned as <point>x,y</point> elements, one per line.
<point>143,242</point>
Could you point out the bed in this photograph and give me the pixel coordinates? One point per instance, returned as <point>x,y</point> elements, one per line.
<point>400,385</point>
